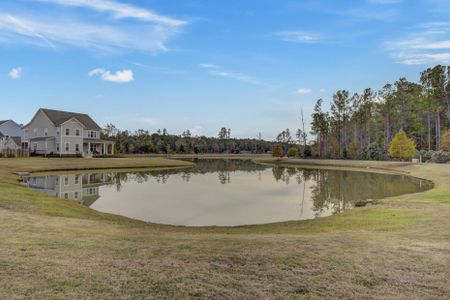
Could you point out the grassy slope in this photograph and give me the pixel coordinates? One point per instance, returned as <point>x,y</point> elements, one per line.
<point>57,248</point>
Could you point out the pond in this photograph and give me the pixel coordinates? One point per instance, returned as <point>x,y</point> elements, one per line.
<point>221,192</point>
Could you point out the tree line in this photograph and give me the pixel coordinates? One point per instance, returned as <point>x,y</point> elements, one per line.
<point>161,142</point>
<point>364,125</point>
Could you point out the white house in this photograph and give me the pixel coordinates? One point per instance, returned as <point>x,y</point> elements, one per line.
<point>11,135</point>
<point>65,133</point>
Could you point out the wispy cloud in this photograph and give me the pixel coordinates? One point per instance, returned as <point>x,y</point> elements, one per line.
<point>388,2</point>
<point>236,76</point>
<point>430,44</point>
<point>208,66</point>
<point>120,10</point>
<point>117,77</point>
<point>217,71</point>
<point>148,32</point>
<point>301,37</point>
<point>15,73</point>
<point>303,91</point>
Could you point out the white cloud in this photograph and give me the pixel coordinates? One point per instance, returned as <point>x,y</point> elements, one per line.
<point>430,44</point>
<point>304,91</point>
<point>301,37</point>
<point>322,90</point>
<point>148,32</point>
<point>15,73</point>
<point>117,77</point>
<point>120,10</point>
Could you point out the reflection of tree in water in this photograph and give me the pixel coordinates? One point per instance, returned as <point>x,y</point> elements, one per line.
<point>337,190</point>
<point>224,177</point>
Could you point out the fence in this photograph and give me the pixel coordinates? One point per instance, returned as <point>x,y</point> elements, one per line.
<point>14,153</point>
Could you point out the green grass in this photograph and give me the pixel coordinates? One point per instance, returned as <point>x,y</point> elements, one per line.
<point>52,248</point>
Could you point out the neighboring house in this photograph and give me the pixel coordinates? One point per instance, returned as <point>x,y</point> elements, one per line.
<point>11,135</point>
<point>65,133</point>
<point>13,143</point>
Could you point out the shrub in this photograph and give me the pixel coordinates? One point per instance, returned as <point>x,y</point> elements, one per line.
<point>441,157</point>
<point>292,152</point>
<point>425,154</point>
<point>373,152</point>
<point>278,151</point>
<point>402,147</point>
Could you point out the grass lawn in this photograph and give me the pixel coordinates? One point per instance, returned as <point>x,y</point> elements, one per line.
<point>52,248</point>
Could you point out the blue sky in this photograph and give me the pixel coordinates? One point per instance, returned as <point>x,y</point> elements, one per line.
<point>202,64</point>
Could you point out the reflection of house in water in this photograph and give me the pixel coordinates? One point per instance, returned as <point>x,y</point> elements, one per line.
<point>83,188</point>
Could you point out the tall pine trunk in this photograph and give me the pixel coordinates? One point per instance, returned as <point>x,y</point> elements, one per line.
<point>438,131</point>
<point>429,130</point>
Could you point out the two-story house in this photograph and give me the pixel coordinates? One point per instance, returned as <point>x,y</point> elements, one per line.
<point>65,134</point>
<point>11,136</point>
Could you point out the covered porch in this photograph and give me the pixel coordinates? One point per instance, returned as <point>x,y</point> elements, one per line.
<point>92,147</point>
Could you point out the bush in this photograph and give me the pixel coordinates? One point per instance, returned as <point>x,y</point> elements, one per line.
<point>402,147</point>
<point>373,152</point>
<point>292,152</point>
<point>426,155</point>
<point>441,157</point>
<point>278,151</point>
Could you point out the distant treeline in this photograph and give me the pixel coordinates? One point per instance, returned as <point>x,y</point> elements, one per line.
<point>161,142</point>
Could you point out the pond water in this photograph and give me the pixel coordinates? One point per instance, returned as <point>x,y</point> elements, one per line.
<point>225,192</point>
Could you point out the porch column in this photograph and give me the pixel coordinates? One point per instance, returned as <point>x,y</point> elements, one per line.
<point>104,152</point>
<point>89,148</point>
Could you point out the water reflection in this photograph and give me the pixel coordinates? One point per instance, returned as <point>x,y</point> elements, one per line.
<point>225,192</point>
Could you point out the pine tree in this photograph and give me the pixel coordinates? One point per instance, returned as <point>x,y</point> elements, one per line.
<point>402,147</point>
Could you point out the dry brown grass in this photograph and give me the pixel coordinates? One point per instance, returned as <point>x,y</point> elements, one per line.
<point>57,249</point>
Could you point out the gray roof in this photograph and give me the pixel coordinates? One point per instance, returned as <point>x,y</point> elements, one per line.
<point>58,117</point>
<point>17,140</point>
<point>4,121</point>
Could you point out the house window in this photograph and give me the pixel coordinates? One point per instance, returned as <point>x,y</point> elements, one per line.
<point>66,180</point>
<point>35,147</point>
<point>57,147</point>
<point>46,131</point>
<point>77,179</point>
<point>67,131</point>
<point>67,147</point>
<point>66,195</point>
<point>76,195</point>
<point>77,147</point>
<point>77,132</point>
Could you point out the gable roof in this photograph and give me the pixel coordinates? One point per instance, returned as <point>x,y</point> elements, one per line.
<point>59,117</point>
<point>17,140</point>
<point>4,121</point>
